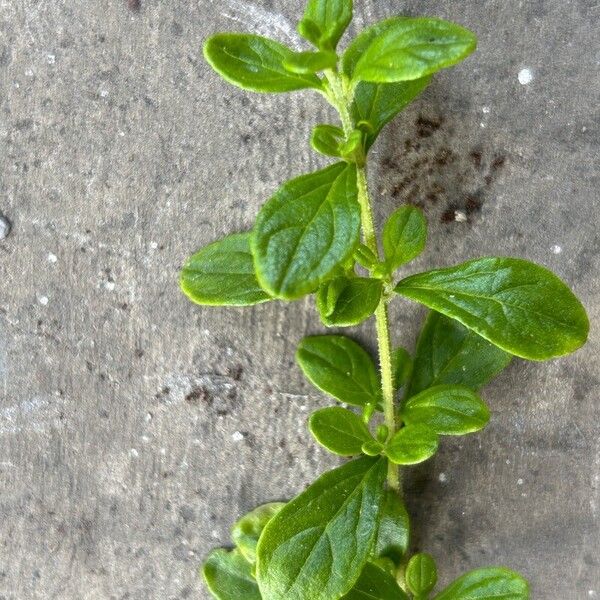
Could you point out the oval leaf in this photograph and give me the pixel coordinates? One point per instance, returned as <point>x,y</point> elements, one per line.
<point>375,583</point>
<point>317,546</point>
<point>339,430</point>
<point>378,103</point>
<point>247,530</point>
<point>404,236</point>
<point>519,306</point>
<point>448,352</point>
<point>447,409</point>
<point>421,574</point>
<point>393,536</point>
<point>255,63</point>
<point>411,445</point>
<point>345,301</point>
<point>329,19</point>
<point>483,584</point>
<point>229,576</point>
<point>326,139</point>
<point>410,48</point>
<point>222,273</point>
<point>306,230</point>
<point>340,367</point>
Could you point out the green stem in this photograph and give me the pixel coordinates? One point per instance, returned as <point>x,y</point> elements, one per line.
<point>340,99</point>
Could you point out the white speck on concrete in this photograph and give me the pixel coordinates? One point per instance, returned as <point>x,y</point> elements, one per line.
<point>443,477</point>
<point>145,438</point>
<point>29,73</point>
<point>507,461</point>
<point>148,417</point>
<point>134,453</point>
<point>51,58</point>
<point>303,407</point>
<point>163,451</point>
<point>43,300</point>
<point>592,594</point>
<point>556,249</point>
<point>103,93</point>
<point>237,436</point>
<point>5,227</point>
<point>52,258</point>
<point>109,285</point>
<point>154,245</point>
<point>486,110</point>
<point>520,482</point>
<point>460,216</point>
<point>525,76</point>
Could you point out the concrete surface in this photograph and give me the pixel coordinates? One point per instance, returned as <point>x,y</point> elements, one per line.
<point>134,426</point>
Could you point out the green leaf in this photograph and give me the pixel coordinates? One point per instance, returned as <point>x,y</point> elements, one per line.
<point>255,63</point>
<point>247,530</point>
<point>404,236</point>
<point>346,301</point>
<point>222,273</point>
<point>519,306</point>
<point>327,21</point>
<point>229,576</point>
<point>378,103</point>
<point>447,409</point>
<point>421,574</point>
<point>339,430</point>
<point>365,257</point>
<point>411,445</point>
<point>326,139</point>
<point>306,230</point>
<point>339,367</point>
<point>484,584</point>
<point>448,352</point>
<point>393,537</point>
<point>372,448</point>
<point>410,48</point>
<point>375,583</point>
<point>402,366</point>
<point>317,546</point>
<point>305,63</point>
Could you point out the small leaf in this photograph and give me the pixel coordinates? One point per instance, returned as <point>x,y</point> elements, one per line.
<point>447,410</point>
<point>317,546</point>
<point>222,273</point>
<point>339,367</point>
<point>404,236</point>
<point>393,537</point>
<point>483,584</point>
<point>326,139</point>
<point>448,352</point>
<point>306,230</point>
<point>378,103</point>
<point>375,583</point>
<point>346,301</point>
<point>411,445</point>
<point>411,48</point>
<point>353,149</point>
<point>421,575</point>
<point>402,365</point>
<point>365,257</point>
<point>372,448</point>
<point>519,306</point>
<point>305,63</point>
<point>339,430</point>
<point>327,21</point>
<point>247,530</point>
<point>255,63</point>
<point>229,576</point>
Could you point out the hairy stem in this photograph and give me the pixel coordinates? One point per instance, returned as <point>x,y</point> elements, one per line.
<point>341,99</point>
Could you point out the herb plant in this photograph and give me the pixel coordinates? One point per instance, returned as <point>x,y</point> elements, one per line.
<point>347,535</point>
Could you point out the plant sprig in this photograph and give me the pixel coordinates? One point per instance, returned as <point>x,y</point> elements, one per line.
<point>348,534</point>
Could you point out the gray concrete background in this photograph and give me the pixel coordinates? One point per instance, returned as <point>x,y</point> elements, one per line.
<point>135,427</point>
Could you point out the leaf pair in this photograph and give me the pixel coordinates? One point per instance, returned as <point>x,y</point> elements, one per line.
<point>480,584</point>
<point>229,573</point>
